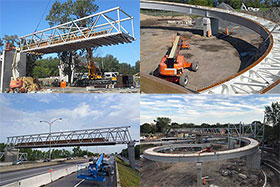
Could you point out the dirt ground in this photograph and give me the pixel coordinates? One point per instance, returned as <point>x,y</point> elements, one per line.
<point>158,174</point>
<point>219,57</point>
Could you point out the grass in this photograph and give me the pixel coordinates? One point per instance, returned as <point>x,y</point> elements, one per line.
<point>128,177</point>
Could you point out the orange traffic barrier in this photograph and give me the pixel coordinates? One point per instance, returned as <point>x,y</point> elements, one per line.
<point>227,33</point>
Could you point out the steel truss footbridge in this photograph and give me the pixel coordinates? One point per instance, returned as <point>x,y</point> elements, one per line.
<point>110,27</point>
<point>263,75</point>
<point>88,137</point>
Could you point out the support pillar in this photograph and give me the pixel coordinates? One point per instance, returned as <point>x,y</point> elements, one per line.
<point>210,25</point>
<point>214,26</point>
<point>198,139</point>
<point>131,154</point>
<point>254,160</point>
<point>206,26</point>
<point>198,174</point>
<point>6,74</point>
<point>231,143</point>
<point>11,155</point>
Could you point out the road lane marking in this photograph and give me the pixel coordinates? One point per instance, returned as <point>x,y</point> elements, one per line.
<point>80,182</point>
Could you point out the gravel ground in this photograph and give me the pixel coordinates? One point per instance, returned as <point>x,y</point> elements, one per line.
<point>222,173</point>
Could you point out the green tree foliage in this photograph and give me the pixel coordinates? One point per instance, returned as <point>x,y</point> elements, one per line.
<point>77,151</point>
<point>65,12</point>
<point>162,124</point>
<point>272,115</point>
<point>111,64</point>
<point>46,68</point>
<point>146,128</point>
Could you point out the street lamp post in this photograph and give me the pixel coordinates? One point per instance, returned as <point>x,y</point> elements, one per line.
<point>50,124</point>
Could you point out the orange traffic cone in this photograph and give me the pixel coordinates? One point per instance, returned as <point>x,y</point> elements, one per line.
<point>227,33</point>
<point>208,33</point>
<point>204,182</point>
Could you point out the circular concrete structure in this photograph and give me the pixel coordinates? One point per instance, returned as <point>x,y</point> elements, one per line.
<point>154,155</point>
<point>260,77</point>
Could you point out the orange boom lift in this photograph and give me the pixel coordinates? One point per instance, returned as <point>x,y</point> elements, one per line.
<point>173,66</point>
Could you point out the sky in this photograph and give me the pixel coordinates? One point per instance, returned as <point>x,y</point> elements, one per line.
<point>20,114</point>
<point>209,109</point>
<point>21,17</point>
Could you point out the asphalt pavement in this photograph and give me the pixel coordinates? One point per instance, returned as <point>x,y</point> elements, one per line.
<point>13,176</point>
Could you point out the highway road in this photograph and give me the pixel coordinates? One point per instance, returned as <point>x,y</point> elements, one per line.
<point>73,181</point>
<point>13,176</point>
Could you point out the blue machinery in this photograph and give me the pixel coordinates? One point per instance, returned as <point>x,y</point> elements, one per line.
<point>95,171</point>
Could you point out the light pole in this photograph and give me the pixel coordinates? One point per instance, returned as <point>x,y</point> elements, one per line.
<point>50,124</point>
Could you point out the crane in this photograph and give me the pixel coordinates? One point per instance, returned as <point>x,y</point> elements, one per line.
<point>96,171</point>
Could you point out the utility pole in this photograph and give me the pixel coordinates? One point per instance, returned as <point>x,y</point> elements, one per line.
<point>50,124</point>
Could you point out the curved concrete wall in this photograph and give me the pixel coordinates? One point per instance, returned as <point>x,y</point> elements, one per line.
<point>153,154</point>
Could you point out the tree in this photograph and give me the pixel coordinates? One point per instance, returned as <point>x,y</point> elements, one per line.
<point>46,68</point>
<point>146,128</point>
<point>64,12</point>
<point>162,124</point>
<point>272,115</point>
<point>77,151</point>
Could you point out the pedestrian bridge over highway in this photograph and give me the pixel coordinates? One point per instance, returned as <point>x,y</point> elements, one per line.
<point>88,137</point>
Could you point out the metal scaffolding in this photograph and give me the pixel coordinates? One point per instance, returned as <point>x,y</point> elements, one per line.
<point>110,27</point>
<point>88,137</point>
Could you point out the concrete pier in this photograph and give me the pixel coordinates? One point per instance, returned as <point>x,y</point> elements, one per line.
<point>6,73</point>
<point>198,139</point>
<point>131,154</point>
<point>210,25</point>
<point>231,143</point>
<point>11,155</point>
<point>254,160</point>
<point>198,174</point>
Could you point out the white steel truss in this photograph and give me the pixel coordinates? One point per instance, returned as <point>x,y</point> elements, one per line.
<point>110,27</point>
<point>88,137</point>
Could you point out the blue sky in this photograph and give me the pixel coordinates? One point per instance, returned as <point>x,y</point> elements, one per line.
<point>21,17</point>
<point>205,108</point>
<point>20,114</point>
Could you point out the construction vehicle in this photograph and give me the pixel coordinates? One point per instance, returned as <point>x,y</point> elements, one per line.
<point>95,75</point>
<point>112,75</point>
<point>96,171</point>
<point>173,66</point>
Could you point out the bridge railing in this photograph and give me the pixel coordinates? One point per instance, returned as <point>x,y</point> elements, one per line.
<point>102,136</point>
<point>107,22</point>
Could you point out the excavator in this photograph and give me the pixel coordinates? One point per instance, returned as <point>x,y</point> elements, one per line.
<point>95,75</point>
<point>173,66</point>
